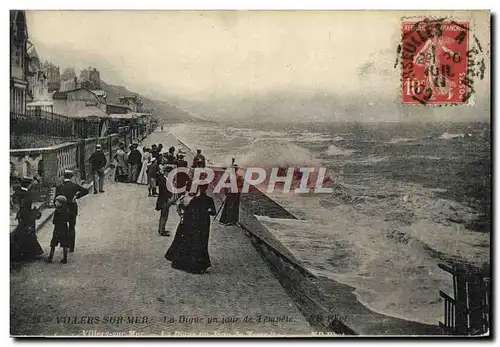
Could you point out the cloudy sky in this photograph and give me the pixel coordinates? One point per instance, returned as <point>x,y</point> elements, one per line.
<point>210,55</point>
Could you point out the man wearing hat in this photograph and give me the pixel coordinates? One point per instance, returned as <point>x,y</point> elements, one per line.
<point>152,172</point>
<point>181,178</point>
<point>199,159</point>
<point>165,190</point>
<point>134,160</point>
<point>170,160</point>
<point>98,163</point>
<point>72,191</point>
<point>181,162</point>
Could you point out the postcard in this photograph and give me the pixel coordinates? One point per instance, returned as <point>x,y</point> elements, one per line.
<point>185,174</point>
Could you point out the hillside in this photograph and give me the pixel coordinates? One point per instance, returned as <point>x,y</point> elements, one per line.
<point>161,109</point>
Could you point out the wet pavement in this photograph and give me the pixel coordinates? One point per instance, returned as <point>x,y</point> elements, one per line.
<point>117,283</point>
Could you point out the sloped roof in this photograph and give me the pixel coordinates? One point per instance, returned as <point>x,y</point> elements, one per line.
<point>40,103</point>
<point>87,112</point>
<point>32,53</point>
<point>99,92</point>
<point>123,116</point>
<point>58,95</point>
<point>118,105</point>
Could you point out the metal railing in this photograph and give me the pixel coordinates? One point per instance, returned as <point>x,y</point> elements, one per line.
<point>468,313</point>
<point>41,123</point>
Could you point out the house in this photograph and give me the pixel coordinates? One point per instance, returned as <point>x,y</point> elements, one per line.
<point>101,94</point>
<point>71,84</point>
<point>38,89</point>
<point>86,108</point>
<point>18,61</point>
<point>33,67</point>
<point>117,109</point>
<point>92,75</point>
<point>86,84</point>
<point>132,101</point>
<point>53,73</point>
<point>134,120</point>
<point>79,103</point>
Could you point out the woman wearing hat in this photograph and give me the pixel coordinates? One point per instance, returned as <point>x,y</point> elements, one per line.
<point>23,242</point>
<point>143,175</point>
<point>189,249</point>
<point>231,211</point>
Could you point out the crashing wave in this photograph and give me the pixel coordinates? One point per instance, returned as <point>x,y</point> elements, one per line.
<point>334,151</point>
<point>448,136</point>
<point>273,153</point>
<point>401,139</point>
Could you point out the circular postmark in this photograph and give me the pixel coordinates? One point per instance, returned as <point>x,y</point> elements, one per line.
<point>440,60</point>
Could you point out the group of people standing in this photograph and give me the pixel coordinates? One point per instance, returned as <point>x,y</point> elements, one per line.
<point>24,243</point>
<point>189,249</point>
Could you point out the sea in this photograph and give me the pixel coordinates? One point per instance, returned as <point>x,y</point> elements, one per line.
<point>406,197</point>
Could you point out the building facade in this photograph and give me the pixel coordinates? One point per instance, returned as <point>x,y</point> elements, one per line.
<point>132,101</point>
<point>34,66</point>
<point>92,75</point>
<point>69,85</point>
<point>79,103</point>
<point>18,61</point>
<point>53,74</point>
<point>68,74</point>
<point>117,109</point>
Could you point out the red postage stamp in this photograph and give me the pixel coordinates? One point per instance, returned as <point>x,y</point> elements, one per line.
<point>434,57</point>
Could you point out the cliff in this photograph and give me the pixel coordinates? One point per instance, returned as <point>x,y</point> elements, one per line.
<point>161,109</point>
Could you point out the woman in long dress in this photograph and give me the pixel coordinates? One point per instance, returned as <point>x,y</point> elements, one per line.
<point>231,211</point>
<point>143,175</point>
<point>23,241</point>
<point>121,172</point>
<point>189,249</point>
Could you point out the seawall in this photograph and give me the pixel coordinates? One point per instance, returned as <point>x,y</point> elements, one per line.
<point>329,306</point>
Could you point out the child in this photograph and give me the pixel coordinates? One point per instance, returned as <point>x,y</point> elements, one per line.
<point>152,172</point>
<point>60,235</point>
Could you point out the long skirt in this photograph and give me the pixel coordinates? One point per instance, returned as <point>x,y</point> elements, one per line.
<point>143,175</point>
<point>189,250</point>
<point>24,245</point>
<point>231,211</point>
<point>121,174</point>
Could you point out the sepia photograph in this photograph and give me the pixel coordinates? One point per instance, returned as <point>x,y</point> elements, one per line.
<point>250,173</point>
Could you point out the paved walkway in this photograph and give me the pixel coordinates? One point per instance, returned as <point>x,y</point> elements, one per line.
<point>118,282</point>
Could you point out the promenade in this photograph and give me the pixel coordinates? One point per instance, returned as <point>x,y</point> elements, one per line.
<point>118,283</point>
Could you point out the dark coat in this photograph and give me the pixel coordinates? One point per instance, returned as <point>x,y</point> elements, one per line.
<point>135,157</point>
<point>97,160</point>
<point>189,249</point>
<point>72,192</point>
<point>170,158</point>
<point>25,201</point>
<point>60,220</point>
<point>164,194</point>
<point>152,170</point>
<point>182,163</point>
<point>199,160</point>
